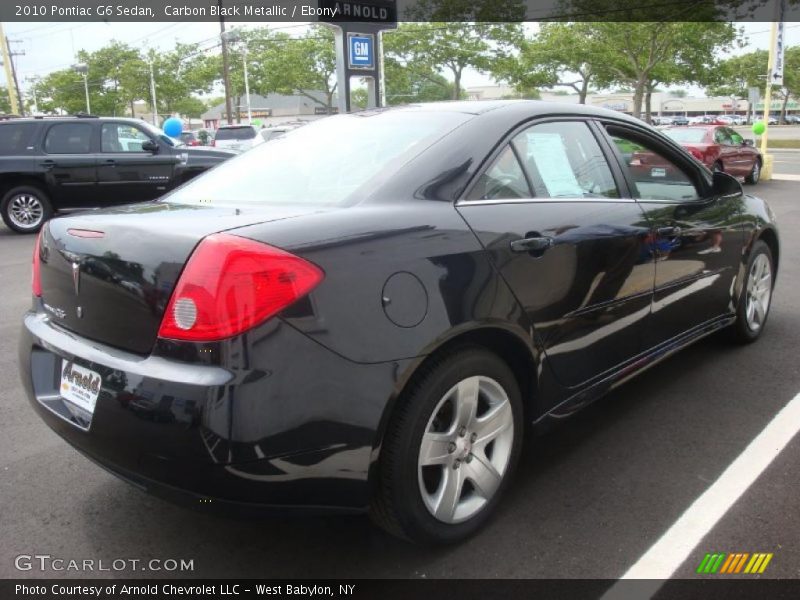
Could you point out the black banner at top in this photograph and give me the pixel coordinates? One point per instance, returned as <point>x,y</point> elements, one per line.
<point>388,11</point>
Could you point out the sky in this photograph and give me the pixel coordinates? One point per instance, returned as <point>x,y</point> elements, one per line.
<point>52,46</point>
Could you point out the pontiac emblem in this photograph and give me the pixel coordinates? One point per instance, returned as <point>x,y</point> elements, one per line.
<point>76,277</point>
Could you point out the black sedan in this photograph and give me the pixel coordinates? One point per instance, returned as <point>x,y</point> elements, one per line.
<point>364,314</point>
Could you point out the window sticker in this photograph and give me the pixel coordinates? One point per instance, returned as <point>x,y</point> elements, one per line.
<point>550,154</point>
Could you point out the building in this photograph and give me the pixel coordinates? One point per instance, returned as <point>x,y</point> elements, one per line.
<point>661,104</point>
<point>271,110</point>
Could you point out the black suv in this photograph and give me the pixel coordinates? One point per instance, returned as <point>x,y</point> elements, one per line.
<point>50,164</point>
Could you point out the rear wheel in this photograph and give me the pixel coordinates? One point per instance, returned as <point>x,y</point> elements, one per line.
<point>755,174</point>
<point>756,296</point>
<point>450,449</point>
<point>25,208</point>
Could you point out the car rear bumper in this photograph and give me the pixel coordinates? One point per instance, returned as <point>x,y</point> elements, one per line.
<point>295,429</point>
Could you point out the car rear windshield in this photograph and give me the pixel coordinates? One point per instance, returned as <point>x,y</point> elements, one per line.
<point>15,137</point>
<point>326,162</point>
<point>687,134</point>
<point>235,133</point>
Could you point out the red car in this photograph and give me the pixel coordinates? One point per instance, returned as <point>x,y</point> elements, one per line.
<point>720,148</point>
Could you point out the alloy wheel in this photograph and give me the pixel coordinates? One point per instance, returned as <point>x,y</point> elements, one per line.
<point>25,211</point>
<point>759,292</point>
<point>465,449</point>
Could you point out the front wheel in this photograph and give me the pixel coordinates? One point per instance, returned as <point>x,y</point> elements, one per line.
<point>756,296</point>
<point>25,208</point>
<point>755,173</point>
<point>450,449</point>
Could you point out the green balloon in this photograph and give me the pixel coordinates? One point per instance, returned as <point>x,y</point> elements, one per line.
<point>257,122</point>
<point>758,128</point>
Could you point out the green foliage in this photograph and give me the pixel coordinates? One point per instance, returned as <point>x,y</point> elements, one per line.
<point>5,103</point>
<point>427,49</point>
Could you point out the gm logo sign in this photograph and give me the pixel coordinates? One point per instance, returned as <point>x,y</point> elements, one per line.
<point>361,51</point>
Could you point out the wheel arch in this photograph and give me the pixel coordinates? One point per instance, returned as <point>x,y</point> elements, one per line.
<point>8,181</point>
<point>770,238</point>
<point>510,346</point>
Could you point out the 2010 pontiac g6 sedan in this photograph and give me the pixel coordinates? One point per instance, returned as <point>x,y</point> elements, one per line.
<point>365,314</point>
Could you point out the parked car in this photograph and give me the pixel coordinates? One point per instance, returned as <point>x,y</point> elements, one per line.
<point>792,119</point>
<point>721,149</point>
<point>53,164</point>
<point>191,138</point>
<point>364,315</point>
<point>237,138</point>
<point>680,120</point>
<point>273,133</point>
<point>771,121</point>
<point>661,120</point>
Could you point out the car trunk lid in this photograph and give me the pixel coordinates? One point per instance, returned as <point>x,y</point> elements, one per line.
<point>108,275</point>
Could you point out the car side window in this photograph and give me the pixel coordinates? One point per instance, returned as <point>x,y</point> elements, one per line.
<point>504,179</point>
<point>736,139</point>
<point>564,160</point>
<point>654,176</point>
<point>69,138</point>
<point>721,136</point>
<point>121,137</point>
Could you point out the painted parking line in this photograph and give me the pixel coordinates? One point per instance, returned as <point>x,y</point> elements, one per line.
<point>786,177</point>
<point>664,557</point>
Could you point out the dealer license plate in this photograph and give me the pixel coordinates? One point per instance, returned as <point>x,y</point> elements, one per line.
<point>80,386</point>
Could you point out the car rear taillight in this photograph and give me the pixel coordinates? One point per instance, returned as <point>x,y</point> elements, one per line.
<point>36,282</point>
<point>231,284</point>
<point>696,153</point>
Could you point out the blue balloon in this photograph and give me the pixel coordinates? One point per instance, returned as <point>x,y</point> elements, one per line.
<point>173,127</point>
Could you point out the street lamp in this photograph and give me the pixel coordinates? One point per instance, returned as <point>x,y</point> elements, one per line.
<point>233,36</point>
<point>83,69</point>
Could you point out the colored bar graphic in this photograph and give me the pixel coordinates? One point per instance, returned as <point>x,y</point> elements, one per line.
<point>735,563</point>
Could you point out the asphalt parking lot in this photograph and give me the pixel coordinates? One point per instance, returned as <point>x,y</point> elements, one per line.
<point>589,499</point>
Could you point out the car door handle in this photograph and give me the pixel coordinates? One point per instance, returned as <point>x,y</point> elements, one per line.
<point>532,244</point>
<point>671,231</point>
<point>48,164</point>
<point>110,162</point>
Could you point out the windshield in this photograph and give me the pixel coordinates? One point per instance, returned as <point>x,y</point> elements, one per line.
<point>687,134</point>
<point>236,133</point>
<point>325,162</point>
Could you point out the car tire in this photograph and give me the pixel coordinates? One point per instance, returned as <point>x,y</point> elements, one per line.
<point>756,296</point>
<point>25,208</point>
<point>717,167</point>
<point>755,173</point>
<point>436,449</point>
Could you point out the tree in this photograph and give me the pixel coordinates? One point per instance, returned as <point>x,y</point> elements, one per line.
<point>555,57</point>
<point>452,47</point>
<point>116,74</point>
<point>406,85</point>
<point>791,77</point>
<point>179,75</point>
<point>5,103</point>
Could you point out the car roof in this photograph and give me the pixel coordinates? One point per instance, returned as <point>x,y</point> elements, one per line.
<point>531,108</point>
<point>235,126</point>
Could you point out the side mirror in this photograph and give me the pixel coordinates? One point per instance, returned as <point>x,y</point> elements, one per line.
<point>747,142</point>
<point>150,146</point>
<point>725,185</point>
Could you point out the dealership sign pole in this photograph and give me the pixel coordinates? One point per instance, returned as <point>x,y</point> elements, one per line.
<point>359,51</point>
<point>774,77</point>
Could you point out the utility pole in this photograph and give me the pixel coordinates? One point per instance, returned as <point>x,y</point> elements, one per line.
<point>225,78</point>
<point>153,91</point>
<point>11,56</point>
<point>12,91</point>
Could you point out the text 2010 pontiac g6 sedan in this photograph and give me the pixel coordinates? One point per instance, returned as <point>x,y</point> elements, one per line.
<point>363,315</point>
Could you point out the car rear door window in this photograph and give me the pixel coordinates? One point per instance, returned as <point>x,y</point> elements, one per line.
<point>721,136</point>
<point>504,179</point>
<point>652,175</point>
<point>15,137</point>
<point>564,160</point>
<point>69,138</point>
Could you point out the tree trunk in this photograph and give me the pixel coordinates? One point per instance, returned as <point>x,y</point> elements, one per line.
<point>648,112</point>
<point>133,113</point>
<point>583,91</point>
<point>238,109</point>
<point>783,108</point>
<point>638,94</point>
<point>457,85</point>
